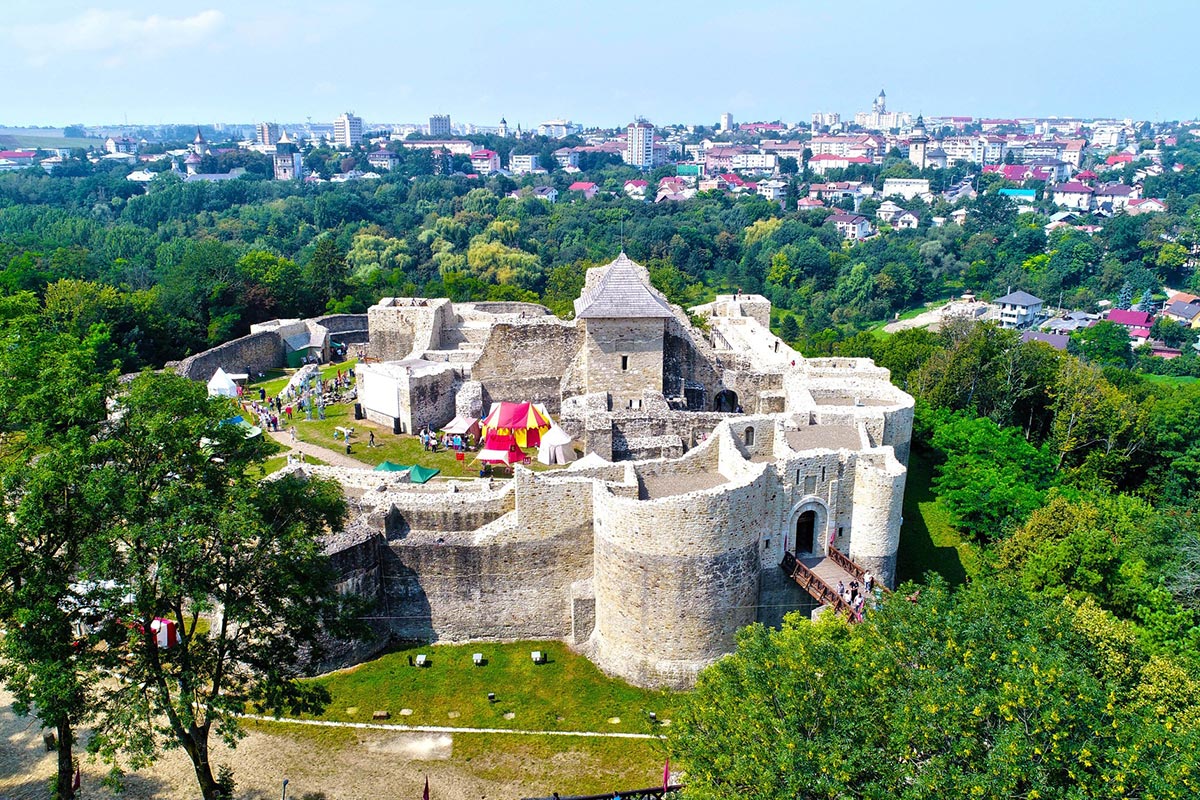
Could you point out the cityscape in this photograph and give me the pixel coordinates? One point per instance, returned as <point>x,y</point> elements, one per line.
<point>776,402</point>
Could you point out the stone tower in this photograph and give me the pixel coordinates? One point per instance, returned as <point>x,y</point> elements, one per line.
<point>624,322</point>
<point>502,131</point>
<point>917,143</point>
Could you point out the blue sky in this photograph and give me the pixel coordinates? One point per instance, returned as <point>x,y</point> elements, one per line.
<point>596,63</point>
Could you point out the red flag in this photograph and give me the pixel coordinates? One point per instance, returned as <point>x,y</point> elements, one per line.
<point>666,774</point>
<point>426,795</point>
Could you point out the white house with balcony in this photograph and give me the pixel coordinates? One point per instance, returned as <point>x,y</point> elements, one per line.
<point>1019,309</point>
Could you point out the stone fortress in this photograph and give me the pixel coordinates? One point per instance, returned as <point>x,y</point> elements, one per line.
<point>713,449</point>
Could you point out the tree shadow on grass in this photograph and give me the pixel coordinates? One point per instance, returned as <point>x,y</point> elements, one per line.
<point>919,553</point>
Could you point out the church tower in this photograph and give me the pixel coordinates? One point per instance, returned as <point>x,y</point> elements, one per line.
<point>502,131</point>
<point>917,143</point>
<point>880,104</point>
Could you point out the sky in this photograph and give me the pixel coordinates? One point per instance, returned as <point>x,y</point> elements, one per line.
<point>598,63</point>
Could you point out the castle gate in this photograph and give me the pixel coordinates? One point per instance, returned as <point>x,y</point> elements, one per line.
<point>805,533</point>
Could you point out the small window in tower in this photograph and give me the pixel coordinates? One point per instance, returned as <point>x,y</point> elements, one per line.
<point>624,362</point>
<point>822,474</point>
<point>797,477</point>
<point>749,437</point>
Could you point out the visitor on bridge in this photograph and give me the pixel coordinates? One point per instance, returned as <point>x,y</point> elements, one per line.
<point>869,582</point>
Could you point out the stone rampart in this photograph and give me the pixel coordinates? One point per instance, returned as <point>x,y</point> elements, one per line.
<point>878,502</point>
<point>252,354</point>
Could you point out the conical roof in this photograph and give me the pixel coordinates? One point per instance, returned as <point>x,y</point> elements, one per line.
<point>621,294</point>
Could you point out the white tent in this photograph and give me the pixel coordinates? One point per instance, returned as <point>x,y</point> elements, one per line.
<point>221,385</point>
<point>555,447</point>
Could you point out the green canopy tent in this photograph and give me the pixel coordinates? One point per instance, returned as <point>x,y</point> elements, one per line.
<point>416,473</point>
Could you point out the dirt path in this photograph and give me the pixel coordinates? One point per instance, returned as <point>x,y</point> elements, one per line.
<point>382,726</point>
<point>330,456</point>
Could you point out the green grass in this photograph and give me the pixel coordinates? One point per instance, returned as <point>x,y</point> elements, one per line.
<point>1169,379</point>
<point>566,693</point>
<point>928,540</point>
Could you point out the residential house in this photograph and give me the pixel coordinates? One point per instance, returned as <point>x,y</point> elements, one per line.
<point>906,221</point>
<point>120,144</point>
<point>852,227</point>
<point>840,190</point>
<point>1056,340</point>
<point>958,216</point>
<point>1146,205</point>
<point>586,188</point>
<point>1185,312</point>
<point>820,164</point>
<point>1074,195</point>
<point>567,157</point>
<point>485,162</point>
<point>636,188</point>
<point>547,193</point>
<point>383,159</point>
<point>1114,197</point>
<point>772,189</point>
<point>887,211</point>
<point>1019,309</point>
<point>808,204</point>
<point>1130,319</point>
<point>1069,323</point>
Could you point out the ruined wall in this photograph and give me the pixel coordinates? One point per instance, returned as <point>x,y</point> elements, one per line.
<point>400,324</point>
<point>624,357</point>
<point>252,354</point>
<point>688,370</point>
<point>675,578</point>
<point>346,328</point>
<point>355,556</point>
<point>526,362</point>
<point>428,399</point>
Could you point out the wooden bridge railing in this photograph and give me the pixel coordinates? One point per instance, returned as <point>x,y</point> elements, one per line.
<point>810,582</point>
<point>843,561</point>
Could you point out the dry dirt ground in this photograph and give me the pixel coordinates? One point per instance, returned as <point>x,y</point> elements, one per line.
<point>342,764</point>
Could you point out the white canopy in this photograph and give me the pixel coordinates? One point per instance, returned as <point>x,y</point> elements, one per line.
<point>221,385</point>
<point>555,447</point>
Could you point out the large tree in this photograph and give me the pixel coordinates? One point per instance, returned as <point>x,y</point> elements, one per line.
<point>986,692</point>
<point>235,563</point>
<point>53,388</point>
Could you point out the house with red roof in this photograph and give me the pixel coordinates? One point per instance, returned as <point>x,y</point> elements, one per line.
<point>586,188</point>
<point>485,162</point>
<point>1145,205</point>
<point>17,159</point>
<point>1131,319</point>
<point>1074,195</point>
<point>636,188</point>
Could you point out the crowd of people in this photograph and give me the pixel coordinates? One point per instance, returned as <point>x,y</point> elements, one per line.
<point>857,596</point>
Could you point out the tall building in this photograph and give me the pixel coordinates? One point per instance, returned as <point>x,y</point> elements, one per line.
<point>288,166</point>
<point>347,130</point>
<point>726,122</point>
<point>439,125</point>
<point>502,131</point>
<point>917,143</point>
<point>267,133</point>
<point>639,144</point>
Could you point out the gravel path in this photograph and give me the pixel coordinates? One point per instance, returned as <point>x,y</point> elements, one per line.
<point>332,457</point>
<point>382,726</point>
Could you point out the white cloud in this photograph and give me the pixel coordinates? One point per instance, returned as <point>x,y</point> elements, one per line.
<point>113,37</point>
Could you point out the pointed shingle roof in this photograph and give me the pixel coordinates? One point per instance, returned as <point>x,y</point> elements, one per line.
<point>621,294</point>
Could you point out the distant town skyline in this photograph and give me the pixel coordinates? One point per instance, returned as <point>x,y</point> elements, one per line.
<point>216,61</point>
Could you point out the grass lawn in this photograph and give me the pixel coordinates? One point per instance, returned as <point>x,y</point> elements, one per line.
<point>928,541</point>
<point>567,693</point>
<point>1169,379</point>
<point>55,142</point>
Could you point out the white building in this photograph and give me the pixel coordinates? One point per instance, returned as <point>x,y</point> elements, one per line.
<point>1019,309</point>
<point>851,226</point>
<point>522,164</point>
<point>754,161</point>
<point>772,190</point>
<point>558,128</point>
<point>908,188</point>
<point>639,144</point>
<point>485,162</point>
<point>726,122</point>
<point>439,125</point>
<point>347,130</point>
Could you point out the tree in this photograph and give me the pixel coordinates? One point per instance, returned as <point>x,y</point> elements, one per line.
<point>1147,302</point>
<point>983,692</point>
<point>52,408</point>
<point>1105,344</point>
<point>1169,331</point>
<point>789,329</point>
<point>326,271</point>
<point>1125,298</point>
<point>196,538</point>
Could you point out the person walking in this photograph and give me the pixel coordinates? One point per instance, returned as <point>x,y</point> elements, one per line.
<point>371,440</point>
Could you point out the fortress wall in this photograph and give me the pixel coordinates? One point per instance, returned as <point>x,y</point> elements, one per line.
<point>513,588</point>
<point>355,556</point>
<point>342,323</point>
<point>878,505</point>
<point>510,307</point>
<point>429,399</point>
<point>526,362</point>
<point>674,580</point>
<point>687,366</point>
<point>253,353</point>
